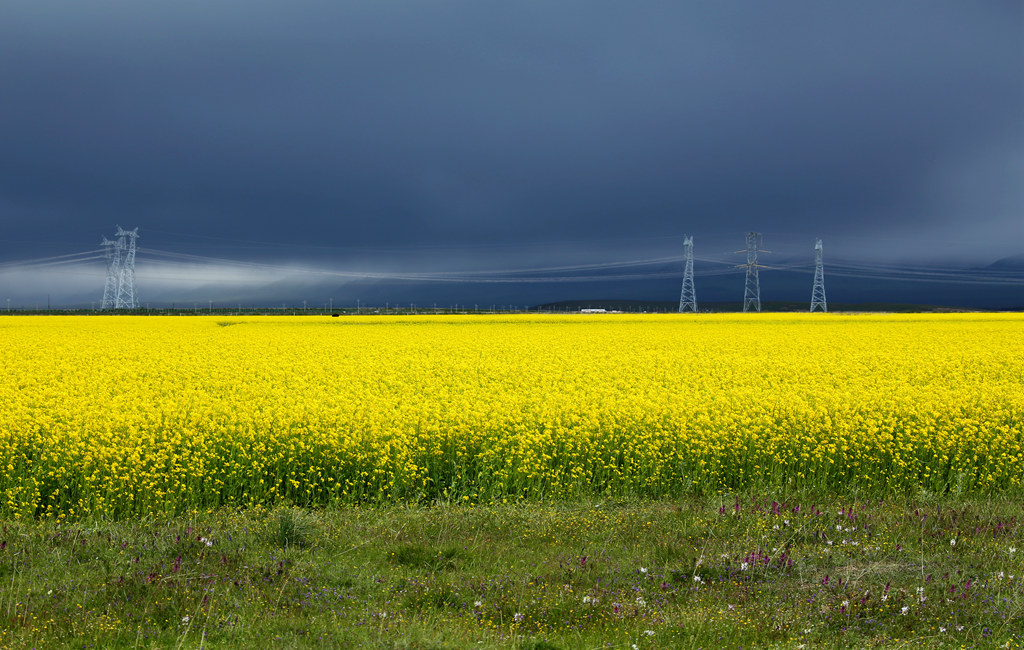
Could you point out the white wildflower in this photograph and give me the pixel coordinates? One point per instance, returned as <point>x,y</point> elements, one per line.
<point>904,610</point>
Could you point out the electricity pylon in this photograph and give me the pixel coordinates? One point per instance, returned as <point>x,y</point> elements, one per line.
<point>119,288</point>
<point>818,292</point>
<point>752,287</point>
<point>126,279</point>
<point>112,251</point>
<point>688,297</point>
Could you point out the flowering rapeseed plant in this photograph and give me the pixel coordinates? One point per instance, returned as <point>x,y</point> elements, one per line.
<point>139,415</point>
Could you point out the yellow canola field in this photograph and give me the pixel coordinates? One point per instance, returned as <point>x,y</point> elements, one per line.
<point>122,416</point>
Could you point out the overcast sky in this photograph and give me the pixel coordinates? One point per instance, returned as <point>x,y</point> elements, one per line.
<point>413,136</point>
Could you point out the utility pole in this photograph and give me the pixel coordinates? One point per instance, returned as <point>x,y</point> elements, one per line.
<point>752,286</point>
<point>688,297</point>
<point>818,292</point>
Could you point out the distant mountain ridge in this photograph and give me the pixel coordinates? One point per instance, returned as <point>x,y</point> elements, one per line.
<point>665,306</point>
<point>1011,263</point>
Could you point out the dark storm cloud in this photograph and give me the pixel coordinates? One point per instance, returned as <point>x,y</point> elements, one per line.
<point>415,125</point>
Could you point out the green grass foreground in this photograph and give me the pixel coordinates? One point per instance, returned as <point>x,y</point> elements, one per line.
<point>711,572</point>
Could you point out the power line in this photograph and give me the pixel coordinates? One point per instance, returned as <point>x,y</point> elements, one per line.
<point>54,259</point>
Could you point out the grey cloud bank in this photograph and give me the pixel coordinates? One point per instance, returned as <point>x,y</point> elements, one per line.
<point>426,137</point>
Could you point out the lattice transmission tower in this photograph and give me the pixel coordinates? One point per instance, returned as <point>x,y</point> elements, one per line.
<point>112,251</point>
<point>818,292</point>
<point>752,287</point>
<point>688,297</point>
<point>126,283</point>
<point>119,288</point>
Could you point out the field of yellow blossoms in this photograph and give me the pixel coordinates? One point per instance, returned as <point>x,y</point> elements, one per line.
<point>125,416</point>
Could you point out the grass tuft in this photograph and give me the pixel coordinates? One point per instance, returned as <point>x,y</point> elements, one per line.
<point>416,556</point>
<point>293,527</point>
